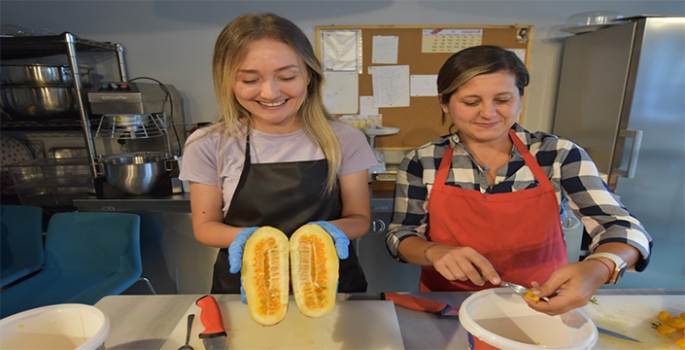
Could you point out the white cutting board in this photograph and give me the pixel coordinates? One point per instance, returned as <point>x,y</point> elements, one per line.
<point>632,315</point>
<point>353,324</point>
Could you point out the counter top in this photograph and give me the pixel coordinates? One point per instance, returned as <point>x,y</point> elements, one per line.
<point>146,321</point>
<point>380,201</point>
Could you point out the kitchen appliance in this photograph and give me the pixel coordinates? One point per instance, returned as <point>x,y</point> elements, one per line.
<point>620,97</point>
<point>141,141</point>
<point>591,21</point>
<point>371,133</point>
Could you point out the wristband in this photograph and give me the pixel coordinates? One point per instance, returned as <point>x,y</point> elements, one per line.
<point>607,266</point>
<point>425,256</point>
<point>619,268</point>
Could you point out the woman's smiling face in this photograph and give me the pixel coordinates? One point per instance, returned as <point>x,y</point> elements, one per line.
<point>271,84</point>
<point>485,107</point>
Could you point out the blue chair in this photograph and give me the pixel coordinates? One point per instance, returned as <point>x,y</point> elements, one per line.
<point>88,255</point>
<point>21,242</point>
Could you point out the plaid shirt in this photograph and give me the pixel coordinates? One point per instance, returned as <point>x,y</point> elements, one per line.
<point>574,176</point>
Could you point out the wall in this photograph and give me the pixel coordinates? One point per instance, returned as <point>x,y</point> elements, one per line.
<point>172,41</point>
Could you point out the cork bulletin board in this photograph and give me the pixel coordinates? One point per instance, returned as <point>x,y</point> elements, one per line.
<point>423,48</point>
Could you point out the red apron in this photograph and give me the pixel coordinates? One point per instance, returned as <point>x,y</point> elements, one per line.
<point>518,232</point>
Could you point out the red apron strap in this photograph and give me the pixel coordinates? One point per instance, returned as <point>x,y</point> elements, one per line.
<point>531,162</point>
<point>443,170</point>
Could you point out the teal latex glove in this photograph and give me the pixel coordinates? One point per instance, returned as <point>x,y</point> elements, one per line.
<point>339,238</point>
<point>235,255</point>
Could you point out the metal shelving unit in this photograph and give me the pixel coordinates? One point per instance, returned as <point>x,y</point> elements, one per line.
<point>20,48</point>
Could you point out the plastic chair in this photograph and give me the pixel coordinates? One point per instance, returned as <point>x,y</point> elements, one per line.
<point>88,255</point>
<point>21,242</point>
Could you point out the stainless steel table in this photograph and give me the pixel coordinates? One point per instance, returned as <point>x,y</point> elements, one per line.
<point>146,321</point>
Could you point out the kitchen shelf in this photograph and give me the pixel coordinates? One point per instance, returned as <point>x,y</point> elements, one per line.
<point>41,46</point>
<point>69,45</point>
<point>48,123</point>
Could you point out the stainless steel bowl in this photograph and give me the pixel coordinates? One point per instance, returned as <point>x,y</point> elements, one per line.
<point>135,173</point>
<point>42,75</point>
<point>39,102</point>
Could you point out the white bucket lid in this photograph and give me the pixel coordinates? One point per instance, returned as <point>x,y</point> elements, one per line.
<point>520,327</point>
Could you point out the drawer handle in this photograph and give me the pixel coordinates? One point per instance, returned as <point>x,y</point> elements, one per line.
<point>377,225</point>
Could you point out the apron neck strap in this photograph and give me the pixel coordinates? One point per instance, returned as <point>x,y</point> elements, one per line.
<point>531,162</point>
<point>446,162</point>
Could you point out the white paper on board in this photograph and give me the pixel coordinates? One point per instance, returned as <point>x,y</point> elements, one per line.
<point>424,85</point>
<point>521,53</point>
<point>385,49</point>
<point>341,50</point>
<point>390,86</point>
<point>366,106</point>
<point>341,92</point>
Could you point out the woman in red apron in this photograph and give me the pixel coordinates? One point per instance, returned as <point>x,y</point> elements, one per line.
<point>493,193</point>
<point>276,157</point>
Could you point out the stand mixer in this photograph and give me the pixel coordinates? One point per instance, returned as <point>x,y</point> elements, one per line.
<point>140,160</point>
<point>371,133</point>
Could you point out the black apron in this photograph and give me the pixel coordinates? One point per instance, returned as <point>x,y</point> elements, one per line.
<point>285,196</point>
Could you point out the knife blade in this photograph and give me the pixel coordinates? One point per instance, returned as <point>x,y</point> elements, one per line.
<point>214,335</point>
<point>616,335</point>
<point>442,309</point>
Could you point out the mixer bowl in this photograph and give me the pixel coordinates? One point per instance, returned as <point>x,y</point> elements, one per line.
<point>42,75</point>
<point>135,173</point>
<point>39,102</point>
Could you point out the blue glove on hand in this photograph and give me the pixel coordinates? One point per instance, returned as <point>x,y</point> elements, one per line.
<point>339,238</point>
<point>242,292</point>
<point>235,250</point>
<point>235,255</point>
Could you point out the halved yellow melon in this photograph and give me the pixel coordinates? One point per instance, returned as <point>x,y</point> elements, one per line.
<point>265,275</point>
<point>314,270</point>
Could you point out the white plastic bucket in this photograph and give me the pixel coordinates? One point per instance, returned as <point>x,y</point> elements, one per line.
<point>500,319</point>
<point>61,326</point>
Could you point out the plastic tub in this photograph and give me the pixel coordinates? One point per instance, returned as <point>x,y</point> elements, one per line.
<point>60,326</point>
<point>500,319</point>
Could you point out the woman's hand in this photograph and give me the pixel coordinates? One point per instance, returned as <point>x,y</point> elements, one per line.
<point>461,263</point>
<point>569,287</point>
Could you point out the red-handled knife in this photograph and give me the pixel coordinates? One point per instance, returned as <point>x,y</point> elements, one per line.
<point>440,309</point>
<point>214,335</point>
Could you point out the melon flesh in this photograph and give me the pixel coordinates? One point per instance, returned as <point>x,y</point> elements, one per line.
<point>265,274</point>
<point>314,270</point>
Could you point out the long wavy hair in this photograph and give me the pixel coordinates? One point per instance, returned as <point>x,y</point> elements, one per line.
<point>229,52</point>
<point>478,60</point>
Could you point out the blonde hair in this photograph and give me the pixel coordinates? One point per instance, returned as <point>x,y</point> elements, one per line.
<point>229,52</point>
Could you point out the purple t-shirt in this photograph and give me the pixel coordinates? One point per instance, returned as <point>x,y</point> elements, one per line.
<point>210,158</point>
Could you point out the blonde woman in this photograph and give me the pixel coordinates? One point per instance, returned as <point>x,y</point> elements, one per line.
<point>276,157</point>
